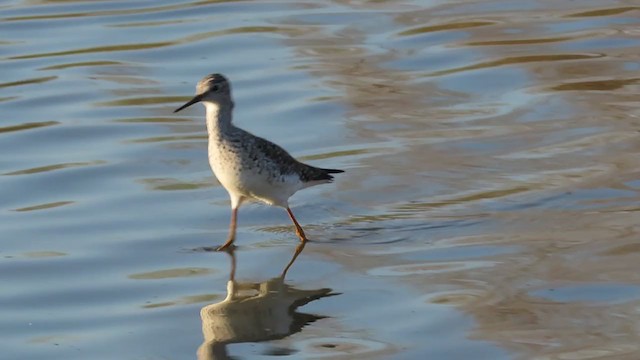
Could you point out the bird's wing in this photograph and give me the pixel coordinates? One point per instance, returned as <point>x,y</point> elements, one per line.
<point>287,163</point>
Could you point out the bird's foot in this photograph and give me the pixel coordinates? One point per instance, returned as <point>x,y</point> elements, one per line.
<point>302,236</point>
<point>226,247</point>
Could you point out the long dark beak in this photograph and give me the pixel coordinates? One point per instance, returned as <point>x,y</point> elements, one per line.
<point>195,99</point>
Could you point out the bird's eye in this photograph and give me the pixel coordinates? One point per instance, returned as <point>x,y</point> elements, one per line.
<point>214,88</point>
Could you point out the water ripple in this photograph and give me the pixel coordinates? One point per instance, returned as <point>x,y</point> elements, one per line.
<point>45,206</point>
<point>54,167</point>
<point>488,208</point>
<point>517,60</point>
<point>27,126</point>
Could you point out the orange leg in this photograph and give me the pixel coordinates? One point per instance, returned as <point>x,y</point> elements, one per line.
<point>299,230</point>
<point>232,230</point>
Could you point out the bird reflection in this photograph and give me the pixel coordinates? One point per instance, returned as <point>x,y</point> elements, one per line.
<point>254,312</point>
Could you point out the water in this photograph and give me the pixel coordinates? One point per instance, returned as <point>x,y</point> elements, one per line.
<point>489,209</point>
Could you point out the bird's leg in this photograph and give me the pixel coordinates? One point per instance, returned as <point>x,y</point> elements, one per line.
<point>232,229</point>
<point>299,230</point>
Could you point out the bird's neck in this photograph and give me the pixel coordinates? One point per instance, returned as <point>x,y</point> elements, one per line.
<point>218,118</point>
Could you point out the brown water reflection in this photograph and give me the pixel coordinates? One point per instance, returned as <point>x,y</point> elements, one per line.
<point>542,178</point>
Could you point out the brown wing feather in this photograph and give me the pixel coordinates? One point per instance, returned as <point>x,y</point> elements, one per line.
<point>289,165</point>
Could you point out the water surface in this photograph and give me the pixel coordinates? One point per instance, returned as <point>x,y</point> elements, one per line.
<point>489,208</point>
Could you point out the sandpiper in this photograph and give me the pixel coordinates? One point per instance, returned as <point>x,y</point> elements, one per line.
<point>250,167</point>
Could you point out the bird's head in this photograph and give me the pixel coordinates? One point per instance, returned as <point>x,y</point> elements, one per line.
<point>213,88</point>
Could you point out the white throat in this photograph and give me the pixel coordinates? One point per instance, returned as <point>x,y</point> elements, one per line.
<point>218,117</point>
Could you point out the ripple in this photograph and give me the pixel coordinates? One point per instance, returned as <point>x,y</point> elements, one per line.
<point>444,27</point>
<point>606,293</point>
<point>445,250</point>
<point>518,60</point>
<point>457,298</point>
<point>604,12</point>
<point>28,81</point>
<point>146,24</point>
<point>8,98</point>
<point>169,184</point>
<point>334,347</point>
<point>45,206</point>
<point>83,64</point>
<point>54,167</point>
<point>27,126</point>
<point>596,352</point>
<point>160,44</point>
<point>335,154</point>
<point>170,138</point>
<point>596,85</point>
<point>627,249</point>
<point>95,13</point>
<point>43,254</point>
<point>172,273</point>
<point>153,120</point>
<point>429,268</point>
<point>519,41</point>
<point>572,146</point>
<point>149,100</point>
<point>95,49</point>
<point>488,194</point>
<point>186,300</point>
<point>53,339</point>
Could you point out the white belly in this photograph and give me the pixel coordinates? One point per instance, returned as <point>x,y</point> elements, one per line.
<point>252,184</point>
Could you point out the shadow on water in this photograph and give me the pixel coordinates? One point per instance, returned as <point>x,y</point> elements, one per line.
<point>255,312</point>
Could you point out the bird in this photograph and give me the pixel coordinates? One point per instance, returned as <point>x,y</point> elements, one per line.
<point>249,167</point>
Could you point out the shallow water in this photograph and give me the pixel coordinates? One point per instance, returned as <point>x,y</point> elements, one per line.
<point>489,209</point>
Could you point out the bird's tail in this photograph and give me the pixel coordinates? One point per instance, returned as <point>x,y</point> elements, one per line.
<point>315,176</point>
<point>325,174</point>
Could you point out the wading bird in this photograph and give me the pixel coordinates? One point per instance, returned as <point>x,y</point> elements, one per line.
<point>250,167</point>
